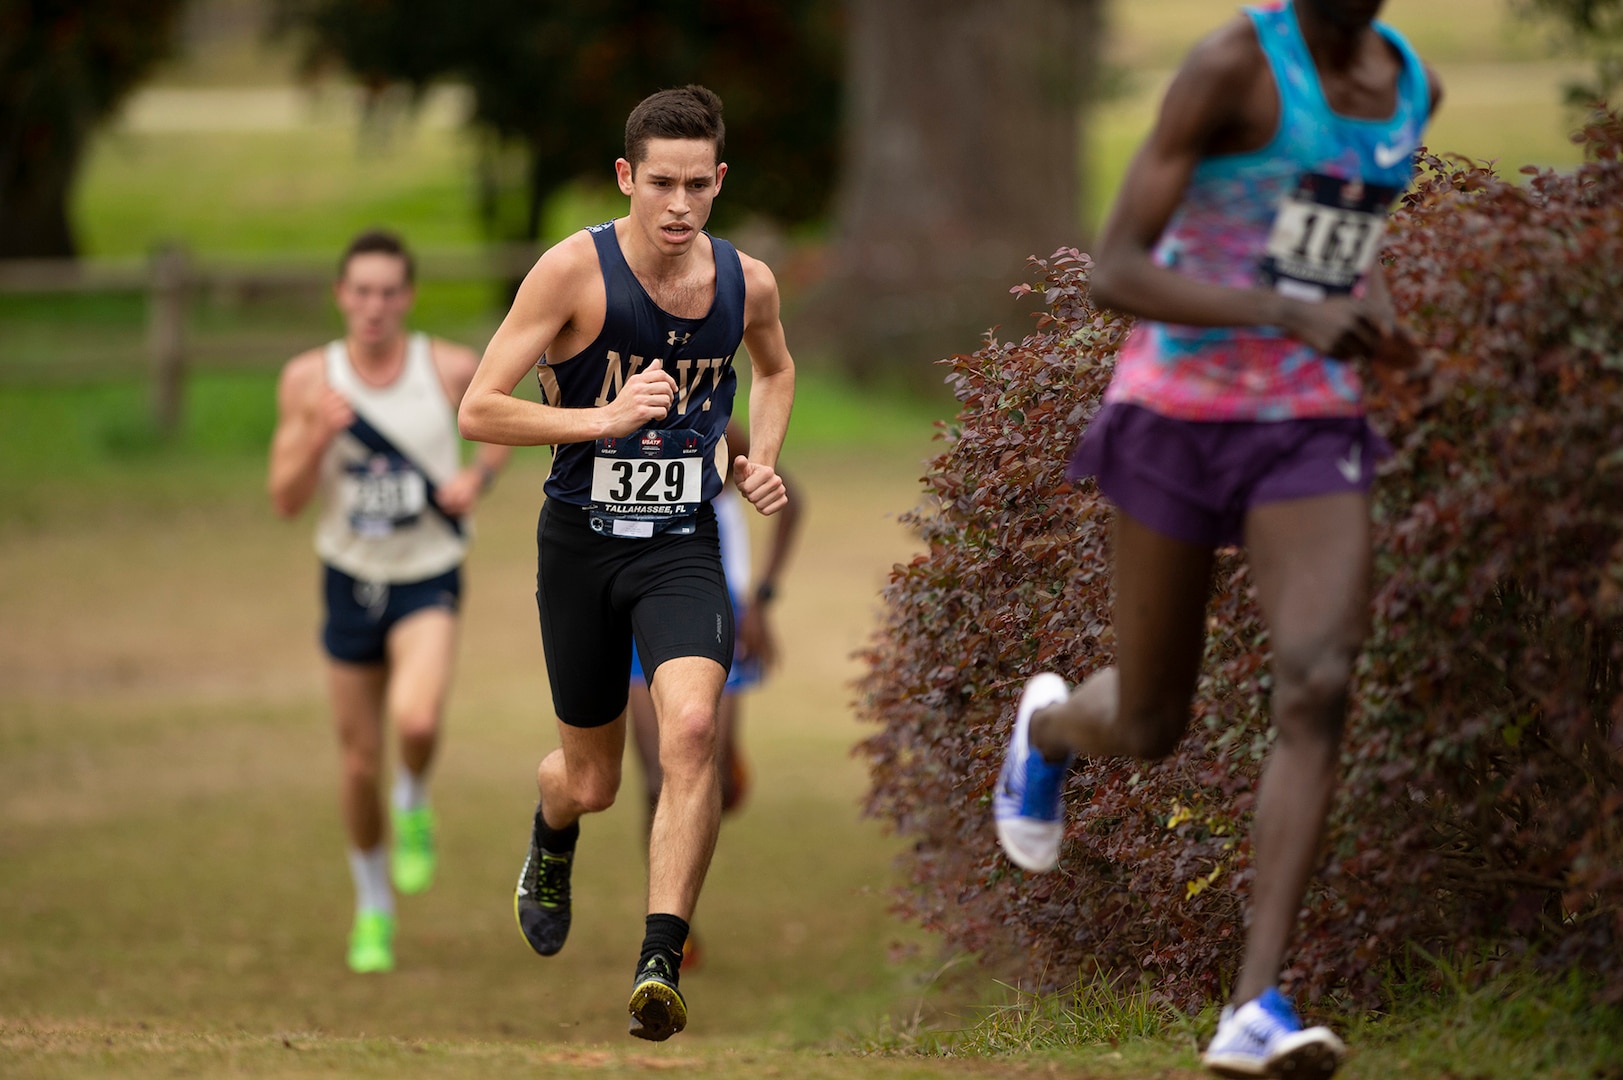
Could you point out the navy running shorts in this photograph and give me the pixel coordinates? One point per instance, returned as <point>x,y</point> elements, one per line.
<point>596,593</point>
<point>360,614</point>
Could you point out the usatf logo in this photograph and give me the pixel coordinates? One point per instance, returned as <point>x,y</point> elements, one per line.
<point>651,444</point>
<point>690,444</point>
<point>673,338</point>
<point>1352,192</point>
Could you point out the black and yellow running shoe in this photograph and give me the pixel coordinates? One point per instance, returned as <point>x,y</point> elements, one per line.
<point>657,1009</point>
<point>541,901</point>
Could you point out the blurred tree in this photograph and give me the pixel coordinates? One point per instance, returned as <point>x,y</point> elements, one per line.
<point>554,80</point>
<point>64,67</point>
<point>1596,26</point>
<point>961,160</point>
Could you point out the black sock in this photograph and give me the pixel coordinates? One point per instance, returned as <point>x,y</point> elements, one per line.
<point>665,934</point>
<point>557,841</point>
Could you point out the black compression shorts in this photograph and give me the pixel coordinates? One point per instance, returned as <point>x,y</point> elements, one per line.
<point>595,592</point>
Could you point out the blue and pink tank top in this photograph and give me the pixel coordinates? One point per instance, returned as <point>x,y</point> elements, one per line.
<point>1303,215</point>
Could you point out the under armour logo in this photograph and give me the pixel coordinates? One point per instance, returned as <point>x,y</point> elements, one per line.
<point>1349,465</point>
<point>673,338</point>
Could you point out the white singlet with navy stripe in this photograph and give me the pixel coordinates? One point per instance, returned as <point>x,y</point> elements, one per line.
<point>375,524</point>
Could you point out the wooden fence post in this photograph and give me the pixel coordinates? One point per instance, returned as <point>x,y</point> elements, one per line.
<point>169,282</point>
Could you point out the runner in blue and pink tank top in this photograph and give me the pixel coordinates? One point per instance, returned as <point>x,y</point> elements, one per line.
<point>1245,238</point>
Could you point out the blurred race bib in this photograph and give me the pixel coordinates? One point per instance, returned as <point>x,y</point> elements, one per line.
<point>384,493</point>
<point>1325,236</point>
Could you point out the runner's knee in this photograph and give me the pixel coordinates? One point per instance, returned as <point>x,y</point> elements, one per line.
<point>595,792</point>
<point>416,721</point>
<point>687,740</point>
<point>1311,688</point>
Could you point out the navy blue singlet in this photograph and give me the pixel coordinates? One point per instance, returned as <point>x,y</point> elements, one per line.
<point>697,353</point>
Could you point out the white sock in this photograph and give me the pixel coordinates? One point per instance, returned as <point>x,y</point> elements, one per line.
<point>370,869</point>
<point>410,789</point>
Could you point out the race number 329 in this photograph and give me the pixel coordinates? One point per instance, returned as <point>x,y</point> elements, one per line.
<point>630,482</point>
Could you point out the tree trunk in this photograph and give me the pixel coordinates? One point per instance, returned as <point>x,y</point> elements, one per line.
<point>961,160</point>
<point>34,203</point>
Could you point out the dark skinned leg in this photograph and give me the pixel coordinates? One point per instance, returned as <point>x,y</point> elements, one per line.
<point>1310,562</point>
<point>1139,707</point>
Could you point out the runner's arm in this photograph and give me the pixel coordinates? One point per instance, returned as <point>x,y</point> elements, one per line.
<point>456,365</point>
<point>308,414</point>
<point>772,389</point>
<point>553,293</point>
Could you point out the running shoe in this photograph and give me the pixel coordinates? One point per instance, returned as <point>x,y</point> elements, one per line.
<point>371,943</point>
<point>413,860</point>
<point>1026,804</point>
<point>541,901</point>
<point>1263,1037</point>
<point>657,1009</point>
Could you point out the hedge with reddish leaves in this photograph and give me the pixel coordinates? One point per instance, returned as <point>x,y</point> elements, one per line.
<point>1482,797</point>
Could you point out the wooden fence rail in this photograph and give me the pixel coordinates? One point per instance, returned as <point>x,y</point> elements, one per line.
<point>172,278</point>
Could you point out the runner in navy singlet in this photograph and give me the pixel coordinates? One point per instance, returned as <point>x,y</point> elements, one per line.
<point>631,328</point>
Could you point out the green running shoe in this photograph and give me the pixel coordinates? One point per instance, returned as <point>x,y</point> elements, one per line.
<point>657,1009</point>
<point>371,943</point>
<point>413,860</point>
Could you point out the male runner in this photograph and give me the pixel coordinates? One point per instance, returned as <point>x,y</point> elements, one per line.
<point>1244,238</point>
<point>756,650</point>
<point>635,323</point>
<point>369,422</point>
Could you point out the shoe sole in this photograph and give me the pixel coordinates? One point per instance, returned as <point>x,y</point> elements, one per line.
<point>1237,1068</point>
<point>1315,1060</point>
<point>657,1011</point>
<point>382,967</point>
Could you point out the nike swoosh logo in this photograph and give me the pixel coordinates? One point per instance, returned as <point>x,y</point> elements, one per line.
<point>1349,465</point>
<point>1388,156</point>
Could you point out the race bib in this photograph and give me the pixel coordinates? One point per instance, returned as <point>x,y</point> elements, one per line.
<point>1325,236</point>
<point>385,493</point>
<point>648,482</point>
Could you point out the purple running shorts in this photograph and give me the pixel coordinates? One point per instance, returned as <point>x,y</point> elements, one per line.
<point>1194,480</point>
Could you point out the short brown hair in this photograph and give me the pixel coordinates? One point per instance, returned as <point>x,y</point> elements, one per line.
<point>692,112</point>
<point>378,242</point>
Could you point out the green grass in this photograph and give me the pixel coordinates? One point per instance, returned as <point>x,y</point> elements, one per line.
<point>1454,1020</point>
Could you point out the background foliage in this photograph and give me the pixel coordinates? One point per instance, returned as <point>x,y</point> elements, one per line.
<point>555,81</point>
<point>63,68</point>
<point>1483,766</point>
<point>1596,27</point>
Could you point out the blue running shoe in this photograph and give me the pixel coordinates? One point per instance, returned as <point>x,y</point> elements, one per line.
<point>1026,805</point>
<point>1263,1037</point>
